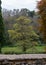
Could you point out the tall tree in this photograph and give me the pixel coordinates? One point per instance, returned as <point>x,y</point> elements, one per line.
<point>1,29</point>
<point>42,12</point>
<point>23,34</point>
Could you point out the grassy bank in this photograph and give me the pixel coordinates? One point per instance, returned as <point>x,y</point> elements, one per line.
<point>18,50</point>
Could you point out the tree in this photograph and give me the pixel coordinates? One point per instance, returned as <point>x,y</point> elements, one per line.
<point>42,12</point>
<point>23,33</point>
<point>1,29</point>
<point>24,12</point>
<point>31,13</point>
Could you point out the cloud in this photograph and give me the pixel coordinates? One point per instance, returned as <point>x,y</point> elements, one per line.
<point>18,4</point>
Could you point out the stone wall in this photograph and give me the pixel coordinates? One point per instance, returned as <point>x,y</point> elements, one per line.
<point>24,62</point>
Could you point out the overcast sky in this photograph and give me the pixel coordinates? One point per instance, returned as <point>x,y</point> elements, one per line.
<point>18,4</point>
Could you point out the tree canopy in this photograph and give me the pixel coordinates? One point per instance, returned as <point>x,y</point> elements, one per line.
<point>1,29</point>
<point>23,33</point>
<point>42,12</point>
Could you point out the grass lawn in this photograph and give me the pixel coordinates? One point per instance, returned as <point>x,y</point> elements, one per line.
<point>36,49</point>
<point>18,50</point>
<point>11,50</point>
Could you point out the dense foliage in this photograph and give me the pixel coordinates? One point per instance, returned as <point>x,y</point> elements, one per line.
<point>21,30</point>
<point>42,12</point>
<point>23,34</point>
<point>1,29</point>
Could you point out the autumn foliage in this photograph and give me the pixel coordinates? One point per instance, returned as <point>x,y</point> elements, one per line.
<point>41,5</point>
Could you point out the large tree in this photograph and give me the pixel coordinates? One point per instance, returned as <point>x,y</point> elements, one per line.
<point>1,29</point>
<point>42,12</point>
<point>22,34</point>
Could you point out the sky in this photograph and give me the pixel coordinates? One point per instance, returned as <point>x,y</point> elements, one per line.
<point>18,4</point>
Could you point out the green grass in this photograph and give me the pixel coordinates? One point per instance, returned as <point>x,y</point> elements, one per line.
<point>36,49</point>
<point>18,50</point>
<point>11,50</point>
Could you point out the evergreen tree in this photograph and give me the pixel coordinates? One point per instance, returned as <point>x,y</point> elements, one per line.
<point>1,29</point>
